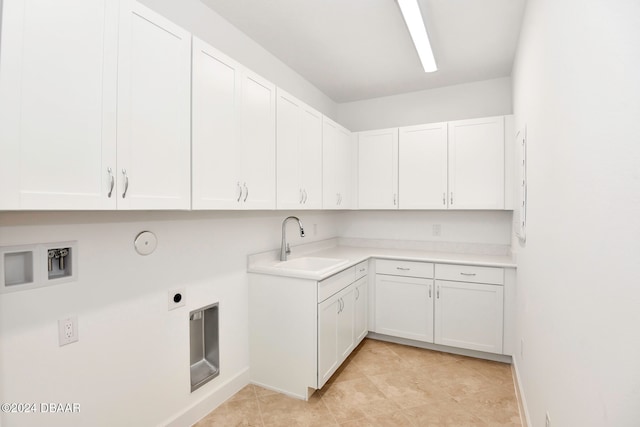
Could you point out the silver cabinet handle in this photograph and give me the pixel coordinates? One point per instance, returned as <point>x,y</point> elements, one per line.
<point>403,268</point>
<point>301,197</point>
<point>452,198</point>
<point>126,183</point>
<point>357,294</point>
<point>246,194</point>
<point>340,202</point>
<point>438,292</point>
<point>112,181</point>
<point>362,270</point>
<point>468,274</point>
<point>337,199</point>
<point>239,192</point>
<point>429,291</point>
<point>394,199</point>
<point>305,197</point>
<point>444,199</point>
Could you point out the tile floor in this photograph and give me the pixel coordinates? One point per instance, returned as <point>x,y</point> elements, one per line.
<point>385,384</point>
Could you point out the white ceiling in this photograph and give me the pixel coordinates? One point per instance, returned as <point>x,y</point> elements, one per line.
<point>361,49</point>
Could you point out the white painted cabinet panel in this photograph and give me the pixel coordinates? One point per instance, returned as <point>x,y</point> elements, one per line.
<point>422,167</point>
<point>337,155</point>
<point>58,78</point>
<point>327,339</point>
<point>469,315</point>
<point>233,147</point>
<point>336,339</point>
<point>299,154</point>
<point>378,169</point>
<point>346,323</point>
<point>215,129</point>
<point>154,112</point>
<point>476,164</point>
<point>361,325</point>
<point>404,307</point>
<point>258,142</point>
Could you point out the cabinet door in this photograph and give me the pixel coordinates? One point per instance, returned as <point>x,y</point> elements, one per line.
<point>258,142</point>
<point>299,154</point>
<point>378,169</point>
<point>336,166</point>
<point>404,307</point>
<point>288,148</point>
<point>476,164</point>
<point>57,104</point>
<point>215,127</point>
<point>361,310</point>
<point>327,339</point>
<point>154,111</point>
<point>423,167</point>
<point>469,315</point>
<point>346,318</point>
<point>310,158</point>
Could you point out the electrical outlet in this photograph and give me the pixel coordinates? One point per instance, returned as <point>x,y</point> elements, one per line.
<point>67,330</point>
<point>437,230</point>
<point>177,298</point>
<point>547,420</point>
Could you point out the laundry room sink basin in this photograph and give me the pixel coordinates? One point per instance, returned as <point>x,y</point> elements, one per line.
<point>315,265</point>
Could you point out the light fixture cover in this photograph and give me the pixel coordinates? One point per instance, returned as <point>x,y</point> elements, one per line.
<point>413,18</point>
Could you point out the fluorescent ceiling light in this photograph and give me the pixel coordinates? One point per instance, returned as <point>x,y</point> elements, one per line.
<point>413,18</point>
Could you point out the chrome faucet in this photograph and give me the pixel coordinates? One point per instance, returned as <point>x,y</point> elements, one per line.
<point>285,249</point>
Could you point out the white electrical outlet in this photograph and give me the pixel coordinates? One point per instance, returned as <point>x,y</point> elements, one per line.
<point>67,330</point>
<point>547,420</point>
<point>437,230</point>
<point>177,298</point>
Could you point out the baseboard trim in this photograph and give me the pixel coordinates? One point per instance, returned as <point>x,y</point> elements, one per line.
<point>522,403</point>
<point>443,348</point>
<point>211,401</point>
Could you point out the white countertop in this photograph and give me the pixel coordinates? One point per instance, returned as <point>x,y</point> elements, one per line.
<point>264,263</point>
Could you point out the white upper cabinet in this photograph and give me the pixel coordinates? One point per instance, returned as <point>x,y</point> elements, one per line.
<point>154,112</point>
<point>94,107</point>
<point>233,125</point>
<point>258,142</point>
<point>476,164</point>
<point>378,169</point>
<point>299,154</point>
<point>57,104</point>
<point>337,158</point>
<point>423,166</point>
<point>215,129</point>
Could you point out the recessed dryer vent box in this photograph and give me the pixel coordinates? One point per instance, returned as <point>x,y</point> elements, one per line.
<point>204,345</point>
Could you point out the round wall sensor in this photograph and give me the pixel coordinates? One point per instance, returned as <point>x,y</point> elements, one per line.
<point>145,243</point>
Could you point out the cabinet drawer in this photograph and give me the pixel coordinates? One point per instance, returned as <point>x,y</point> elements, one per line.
<point>470,273</point>
<point>404,268</point>
<point>362,269</point>
<point>336,283</point>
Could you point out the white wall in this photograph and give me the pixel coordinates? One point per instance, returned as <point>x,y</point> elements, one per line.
<point>484,227</point>
<point>576,87</point>
<point>131,364</point>
<point>464,101</point>
<point>203,22</point>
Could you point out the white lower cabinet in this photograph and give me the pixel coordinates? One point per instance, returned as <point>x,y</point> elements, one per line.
<point>469,315</point>
<point>463,307</point>
<point>404,307</point>
<point>336,337</point>
<point>301,330</point>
